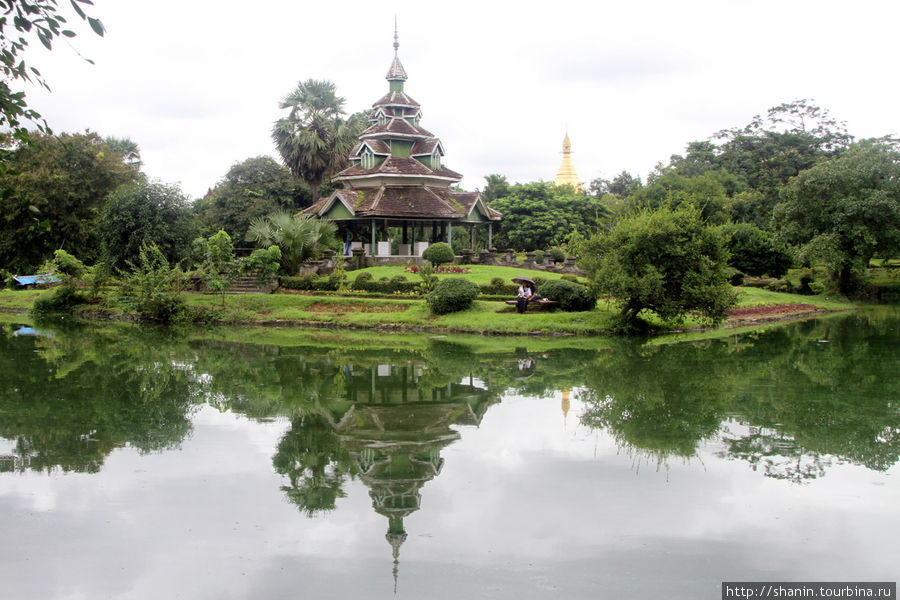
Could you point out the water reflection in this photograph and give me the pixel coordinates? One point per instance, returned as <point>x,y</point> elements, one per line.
<point>790,402</point>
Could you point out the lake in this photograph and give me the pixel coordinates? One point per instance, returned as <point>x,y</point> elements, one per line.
<point>286,463</point>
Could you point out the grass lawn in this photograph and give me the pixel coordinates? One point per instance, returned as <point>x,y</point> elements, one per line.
<point>412,314</point>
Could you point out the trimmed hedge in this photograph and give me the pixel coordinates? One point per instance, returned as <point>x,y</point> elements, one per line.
<point>439,253</point>
<point>451,295</point>
<point>363,282</point>
<point>572,297</point>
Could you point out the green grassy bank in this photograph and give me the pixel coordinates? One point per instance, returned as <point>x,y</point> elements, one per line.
<point>412,314</point>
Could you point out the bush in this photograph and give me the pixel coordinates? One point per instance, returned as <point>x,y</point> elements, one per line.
<point>62,300</point>
<point>362,281</point>
<point>539,282</point>
<point>754,252</point>
<point>569,277</point>
<point>572,297</point>
<point>438,254</point>
<point>735,277</point>
<point>499,287</point>
<point>558,255</point>
<point>153,288</point>
<point>452,295</point>
<point>539,257</point>
<point>780,285</point>
<point>804,288</point>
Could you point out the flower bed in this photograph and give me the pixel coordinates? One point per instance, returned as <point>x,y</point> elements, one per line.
<point>761,310</point>
<point>439,270</point>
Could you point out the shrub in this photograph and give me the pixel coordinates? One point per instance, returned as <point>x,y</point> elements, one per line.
<point>735,277</point>
<point>452,295</point>
<point>571,296</point>
<point>62,300</point>
<point>569,277</point>
<point>362,280</point>
<point>754,252</point>
<point>499,287</point>
<point>780,285</point>
<point>429,279</point>
<point>438,254</point>
<point>539,282</point>
<point>558,254</point>
<point>153,289</point>
<point>539,257</point>
<point>804,288</point>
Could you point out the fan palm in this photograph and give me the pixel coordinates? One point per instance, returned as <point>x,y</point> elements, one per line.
<point>299,238</point>
<point>314,139</point>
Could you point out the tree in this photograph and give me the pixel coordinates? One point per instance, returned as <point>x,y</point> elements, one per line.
<point>754,252</point>
<point>57,186</point>
<point>216,262</point>
<point>128,148</point>
<point>497,187</point>
<point>621,186</point>
<point>314,140</point>
<point>707,192</point>
<point>252,188</point>
<point>845,210</point>
<point>299,238</point>
<point>668,261</point>
<point>766,153</point>
<point>142,214</point>
<point>19,20</point>
<point>539,215</point>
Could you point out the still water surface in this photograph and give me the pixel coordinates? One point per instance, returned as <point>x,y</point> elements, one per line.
<point>288,464</point>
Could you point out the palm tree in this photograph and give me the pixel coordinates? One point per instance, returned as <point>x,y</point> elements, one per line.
<point>300,238</point>
<point>314,139</point>
<point>128,148</point>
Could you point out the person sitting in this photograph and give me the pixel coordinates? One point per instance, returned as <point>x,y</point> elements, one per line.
<point>527,293</point>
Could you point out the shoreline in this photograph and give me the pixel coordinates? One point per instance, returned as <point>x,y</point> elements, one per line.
<point>778,315</point>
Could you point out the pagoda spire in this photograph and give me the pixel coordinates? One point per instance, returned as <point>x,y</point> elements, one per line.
<point>397,74</point>
<point>566,174</point>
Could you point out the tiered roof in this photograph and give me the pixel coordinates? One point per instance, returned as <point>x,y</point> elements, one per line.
<point>395,169</point>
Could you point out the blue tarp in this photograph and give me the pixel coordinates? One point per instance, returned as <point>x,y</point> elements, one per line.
<point>35,279</point>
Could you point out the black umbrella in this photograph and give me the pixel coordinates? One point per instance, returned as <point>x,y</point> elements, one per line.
<point>523,279</point>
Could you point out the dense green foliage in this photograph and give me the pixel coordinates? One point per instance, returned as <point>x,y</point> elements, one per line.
<point>56,186</point>
<point>572,297</point>
<point>452,295</point>
<point>251,189</point>
<point>540,215</point>
<point>145,213</point>
<point>845,210</point>
<point>152,289</point>
<point>439,254</point>
<point>754,252</point>
<point>299,238</point>
<point>667,261</point>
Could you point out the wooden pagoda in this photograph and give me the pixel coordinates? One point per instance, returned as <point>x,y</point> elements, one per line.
<point>397,186</point>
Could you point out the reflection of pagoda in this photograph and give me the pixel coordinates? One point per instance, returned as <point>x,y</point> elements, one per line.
<point>395,432</point>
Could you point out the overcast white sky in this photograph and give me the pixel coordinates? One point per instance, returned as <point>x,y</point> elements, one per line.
<point>196,83</point>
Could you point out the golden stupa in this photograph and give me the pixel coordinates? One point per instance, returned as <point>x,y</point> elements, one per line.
<point>566,174</point>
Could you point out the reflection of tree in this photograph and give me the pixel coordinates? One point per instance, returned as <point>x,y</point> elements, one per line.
<point>830,396</point>
<point>70,399</point>
<point>314,462</point>
<point>798,398</point>
<point>660,400</point>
